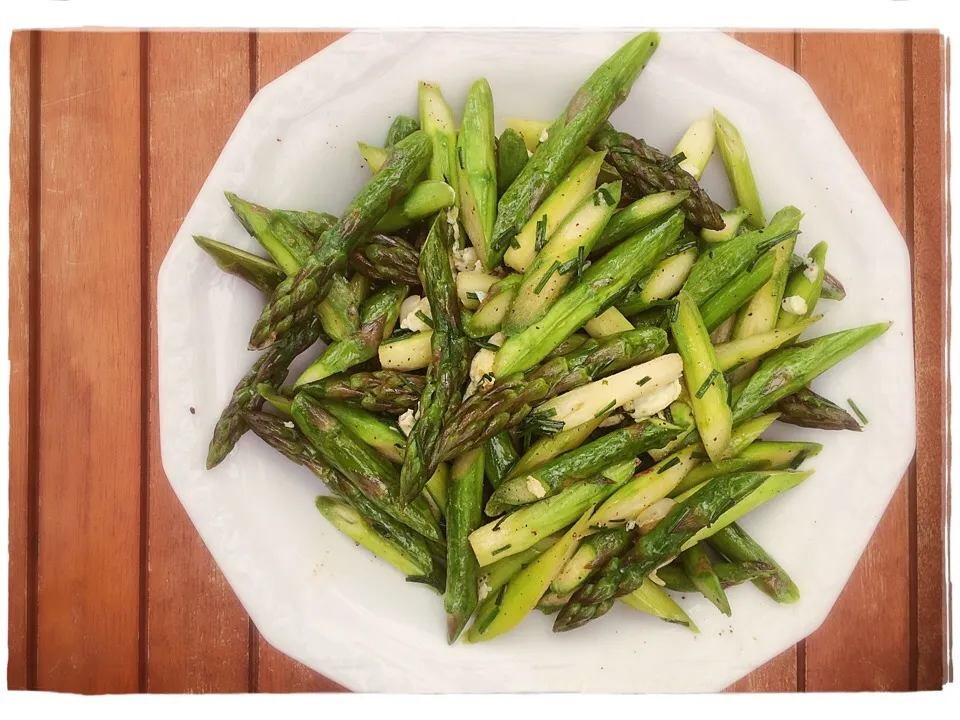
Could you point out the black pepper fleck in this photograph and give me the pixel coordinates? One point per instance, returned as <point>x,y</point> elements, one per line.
<point>193,411</point>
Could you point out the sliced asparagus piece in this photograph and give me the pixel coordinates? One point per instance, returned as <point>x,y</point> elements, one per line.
<point>260,272</point>
<point>737,164</point>
<point>465,497</point>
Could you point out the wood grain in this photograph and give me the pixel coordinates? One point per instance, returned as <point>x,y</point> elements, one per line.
<point>780,674</point>
<point>197,632</point>
<point>89,368</point>
<point>925,62</point>
<point>19,350</point>
<point>276,53</point>
<point>864,643</point>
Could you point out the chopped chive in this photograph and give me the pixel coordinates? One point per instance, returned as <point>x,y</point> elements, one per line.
<point>856,410</point>
<point>541,233</point>
<point>798,460</point>
<point>674,311</point>
<point>485,623</point>
<point>567,266</point>
<point>610,406</point>
<point>581,256</point>
<point>707,383</point>
<point>681,248</point>
<point>605,194</point>
<point>669,464</point>
<point>501,549</point>
<point>644,380</point>
<point>514,244</point>
<point>546,277</point>
<point>775,240</point>
<point>424,319</point>
<point>673,162</point>
<point>485,345</point>
<point>471,295</point>
<point>460,156</point>
<point>668,415</point>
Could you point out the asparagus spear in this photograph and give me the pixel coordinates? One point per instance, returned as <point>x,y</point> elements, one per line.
<point>729,573</point>
<point>650,171</point>
<point>508,401</point>
<point>728,260</point>
<point>314,224</point>
<point>449,363</point>
<point>463,517</point>
<point>560,260</point>
<point>696,146</point>
<point>368,427</point>
<point>593,553</point>
<point>610,322</point>
<point>530,131</point>
<point>808,409</point>
<point>736,545</point>
<point>698,567</point>
<point>645,489</point>
<point>406,162</point>
<point>732,220</point>
<point>495,576</point>
<point>477,170</point>
<point>375,476</point>
<point>407,352</point>
<point>502,612</point>
<point>374,156</point>
<point>736,352</point>
<point>378,317</point>
<point>550,446</point>
<point>602,284</point>
<point>276,398</point>
<point>511,158</point>
<point>291,443</point>
<point>584,462</point>
<point>387,259</point>
<point>599,96</point>
<point>573,189</point>
<point>760,313</point>
<point>401,127</point>
<point>758,456</point>
<point>651,599</point>
<point>436,119</point>
<point>271,367</point>
<point>724,303</point>
<point>790,369</point>
<point>263,274</point>
<point>350,522</point>
<point>775,484</point>
<point>423,200</point>
<point>705,382</point>
<point>633,218</point>
<point>284,242</point>
<point>664,282</point>
<point>384,391</point>
<point>340,310</point>
<point>501,456</point>
<point>737,164</point>
<point>517,531</point>
<point>832,288</point>
<point>625,573</point>
<point>806,285</point>
<point>488,318</point>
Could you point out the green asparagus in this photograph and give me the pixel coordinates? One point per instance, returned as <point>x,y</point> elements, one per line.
<point>263,274</point>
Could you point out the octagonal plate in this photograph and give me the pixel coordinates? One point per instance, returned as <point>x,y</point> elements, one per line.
<point>334,607</point>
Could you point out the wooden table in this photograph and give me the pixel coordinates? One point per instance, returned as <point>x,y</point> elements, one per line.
<point>111,589</point>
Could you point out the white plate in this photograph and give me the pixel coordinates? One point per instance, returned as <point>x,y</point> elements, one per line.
<point>334,607</point>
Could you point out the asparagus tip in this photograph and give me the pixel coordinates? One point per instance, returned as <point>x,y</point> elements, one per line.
<point>456,621</point>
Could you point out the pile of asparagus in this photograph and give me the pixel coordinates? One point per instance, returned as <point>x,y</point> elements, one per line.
<point>547,359</point>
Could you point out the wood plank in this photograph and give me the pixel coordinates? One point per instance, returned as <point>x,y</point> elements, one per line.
<point>277,52</point>
<point>930,327</point>
<point>780,674</point>
<point>19,352</point>
<point>197,631</point>
<point>859,79</point>
<point>89,363</point>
